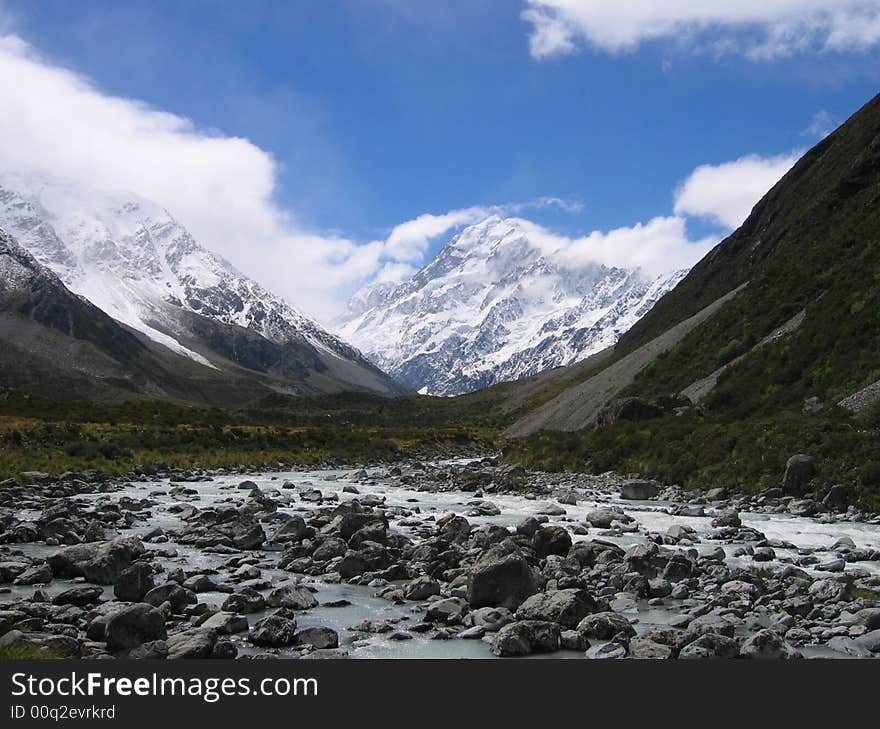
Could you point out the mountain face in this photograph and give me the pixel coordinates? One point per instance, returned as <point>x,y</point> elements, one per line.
<point>778,322</point>
<point>42,323</point>
<point>492,307</point>
<point>135,262</point>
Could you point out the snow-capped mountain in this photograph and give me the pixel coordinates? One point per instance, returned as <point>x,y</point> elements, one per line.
<point>133,260</point>
<point>493,306</point>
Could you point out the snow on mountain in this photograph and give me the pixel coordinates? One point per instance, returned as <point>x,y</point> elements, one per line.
<point>132,259</point>
<point>492,306</point>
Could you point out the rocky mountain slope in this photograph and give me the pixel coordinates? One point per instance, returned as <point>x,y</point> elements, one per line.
<point>491,307</point>
<point>135,262</point>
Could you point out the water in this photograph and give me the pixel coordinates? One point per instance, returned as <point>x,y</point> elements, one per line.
<point>651,516</point>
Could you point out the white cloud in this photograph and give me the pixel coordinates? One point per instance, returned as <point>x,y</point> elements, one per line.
<point>820,126</point>
<point>53,121</point>
<point>726,193</point>
<point>759,29</point>
<point>659,246</point>
<point>408,241</point>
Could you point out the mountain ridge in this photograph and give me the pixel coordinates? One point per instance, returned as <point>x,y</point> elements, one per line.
<point>493,306</point>
<point>133,260</point>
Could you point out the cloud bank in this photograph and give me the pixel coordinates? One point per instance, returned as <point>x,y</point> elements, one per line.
<point>726,193</point>
<point>758,29</point>
<point>57,123</point>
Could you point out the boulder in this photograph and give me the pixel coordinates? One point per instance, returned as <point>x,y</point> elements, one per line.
<point>767,644</point>
<point>604,518</point>
<point>525,637</point>
<point>490,619</point>
<point>638,490</point>
<point>38,574</point>
<point>551,540</point>
<point>98,562</point>
<point>134,582</point>
<point>53,645</point>
<point>178,597</point>
<point>275,631</point>
<point>294,598</point>
<point>870,641</point>
<point>78,596</point>
<point>830,591</point>
<point>421,588</point>
<point>647,649</point>
<point>134,625</point>
<point>193,643</point>
<point>799,471</point>
<point>501,581</point>
<point>566,607</point>
<point>293,530</point>
<point>449,611</point>
<point>246,601</point>
<point>605,626</point>
<point>319,637</point>
<point>710,645</point>
<point>226,623</point>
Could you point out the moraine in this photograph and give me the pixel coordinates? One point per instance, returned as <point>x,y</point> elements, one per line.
<point>413,500</point>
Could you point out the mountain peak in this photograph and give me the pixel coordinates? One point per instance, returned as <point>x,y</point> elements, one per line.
<point>493,306</point>
<point>132,259</point>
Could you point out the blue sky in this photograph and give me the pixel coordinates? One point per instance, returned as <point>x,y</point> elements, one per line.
<point>376,113</point>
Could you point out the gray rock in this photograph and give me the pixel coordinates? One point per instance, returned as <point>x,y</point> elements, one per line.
<point>611,650</point>
<point>178,597</point>
<point>604,518</point>
<point>449,611</point>
<point>639,490</point>
<point>193,643</point>
<point>422,588</point>
<point>710,645</point>
<point>711,624</point>
<point>319,637</point>
<point>870,641</point>
<point>525,637</point>
<point>645,648</point>
<point>605,626</point>
<point>275,631</point>
<point>294,598</point>
<point>54,645</point>
<point>246,601</point>
<point>490,619</point>
<point>134,625</point>
<point>799,471</point>
<point>505,581</point>
<point>134,582</point>
<point>566,607</point>
<point>848,646</point>
<point>551,540</point>
<point>98,562</point>
<point>830,591</point>
<point>226,623</point>
<point>39,574</point>
<point>293,530</point>
<point>767,644</point>
<point>79,596</point>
